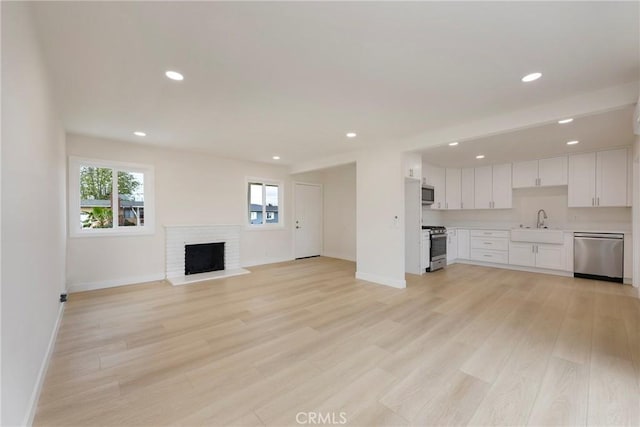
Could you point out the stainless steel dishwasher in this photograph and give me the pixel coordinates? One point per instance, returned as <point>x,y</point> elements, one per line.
<point>598,256</point>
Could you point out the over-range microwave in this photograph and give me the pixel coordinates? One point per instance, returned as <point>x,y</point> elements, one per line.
<point>428,194</point>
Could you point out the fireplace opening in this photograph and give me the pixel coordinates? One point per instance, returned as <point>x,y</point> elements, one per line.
<point>204,257</point>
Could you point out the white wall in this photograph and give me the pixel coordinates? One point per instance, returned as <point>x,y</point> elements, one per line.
<point>636,210</point>
<point>190,188</point>
<point>380,217</point>
<point>526,203</point>
<point>33,214</point>
<point>340,212</point>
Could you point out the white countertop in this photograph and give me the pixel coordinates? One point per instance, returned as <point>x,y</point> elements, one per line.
<point>566,230</point>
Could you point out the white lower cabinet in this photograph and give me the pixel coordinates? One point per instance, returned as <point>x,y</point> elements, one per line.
<point>568,251</point>
<point>539,255</point>
<point>489,246</point>
<point>628,256</point>
<point>452,245</point>
<point>425,246</point>
<point>550,256</point>
<point>497,257</point>
<point>463,244</point>
<point>522,254</point>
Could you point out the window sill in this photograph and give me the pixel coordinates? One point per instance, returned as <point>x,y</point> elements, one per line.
<point>111,233</point>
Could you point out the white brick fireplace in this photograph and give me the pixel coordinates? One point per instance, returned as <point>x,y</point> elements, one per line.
<point>178,236</point>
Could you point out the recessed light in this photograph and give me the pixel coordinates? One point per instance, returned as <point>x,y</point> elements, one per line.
<point>480,156</point>
<point>174,75</point>
<point>453,144</point>
<point>564,121</point>
<point>572,142</point>
<point>276,157</point>
<point>139,133</point>
<point>351,134</point>
<point>531,77</point>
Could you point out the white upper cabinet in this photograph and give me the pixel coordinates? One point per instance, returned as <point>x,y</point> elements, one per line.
<point>412,165</point>
<point>525,174</point>
<point>493,187</point>
<point>582,180</point>
<point>552,171</point>
<point>483,184</point>
<point>598,179</point>
<point>467,190</point>
<point>436,177</point>
<point>540,173</point>
<point>501,186</point>
<point>611,178</point>
<point>453,189</point>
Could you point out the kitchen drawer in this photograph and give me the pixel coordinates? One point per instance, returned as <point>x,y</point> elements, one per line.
<point>489,243</point>
<point>498,257</point>
<point>490,233</point>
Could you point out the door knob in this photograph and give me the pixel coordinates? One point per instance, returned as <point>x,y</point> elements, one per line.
<point>297,226</point>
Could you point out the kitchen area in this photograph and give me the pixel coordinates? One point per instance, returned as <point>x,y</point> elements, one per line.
<point>554,199</point>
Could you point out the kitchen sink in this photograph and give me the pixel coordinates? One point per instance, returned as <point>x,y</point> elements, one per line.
<point>537,235</point>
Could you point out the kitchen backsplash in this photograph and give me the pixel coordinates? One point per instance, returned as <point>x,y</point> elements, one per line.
<point>526,203</point>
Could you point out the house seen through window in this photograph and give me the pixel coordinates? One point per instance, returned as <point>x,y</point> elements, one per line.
<point>264,200</point>
<point>108,197</point>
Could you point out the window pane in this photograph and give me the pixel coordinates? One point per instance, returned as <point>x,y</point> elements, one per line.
<point>130,199</point>
<point>255,203</point>
<point>272,204</point>
<point>96,185</point>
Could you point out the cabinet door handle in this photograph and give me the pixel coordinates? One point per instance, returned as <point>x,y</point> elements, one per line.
<point>461,205</point>
<point>598,200</point>
<point>593,201</point>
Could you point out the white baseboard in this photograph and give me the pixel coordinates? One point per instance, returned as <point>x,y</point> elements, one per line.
<point>91,286</point>
<point>381,280</point>
<point>338,256</point>
<point>35,395</point>
<point>254,263</point>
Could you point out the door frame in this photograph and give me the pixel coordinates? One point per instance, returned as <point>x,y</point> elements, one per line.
<point>293,220</point>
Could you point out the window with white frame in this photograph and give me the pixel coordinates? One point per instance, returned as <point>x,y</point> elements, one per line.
<point>107,198</point>
<point>264,202</point>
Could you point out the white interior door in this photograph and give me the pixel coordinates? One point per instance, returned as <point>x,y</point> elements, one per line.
<point>308,220</point>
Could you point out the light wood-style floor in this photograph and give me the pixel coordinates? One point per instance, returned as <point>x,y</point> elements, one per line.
<point>466,345</point>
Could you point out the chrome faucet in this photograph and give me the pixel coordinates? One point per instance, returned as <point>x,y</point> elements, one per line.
<point>540,224</point>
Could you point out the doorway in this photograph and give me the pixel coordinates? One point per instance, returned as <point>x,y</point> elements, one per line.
<point>307,220</point>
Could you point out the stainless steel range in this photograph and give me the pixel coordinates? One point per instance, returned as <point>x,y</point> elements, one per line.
<point>434,247</point>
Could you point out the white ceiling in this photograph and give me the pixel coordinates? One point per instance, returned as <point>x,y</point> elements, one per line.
<point>291,78</point>
<point>596,132</point>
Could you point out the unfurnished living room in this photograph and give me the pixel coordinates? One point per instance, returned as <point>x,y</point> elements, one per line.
<point>320,213</point>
